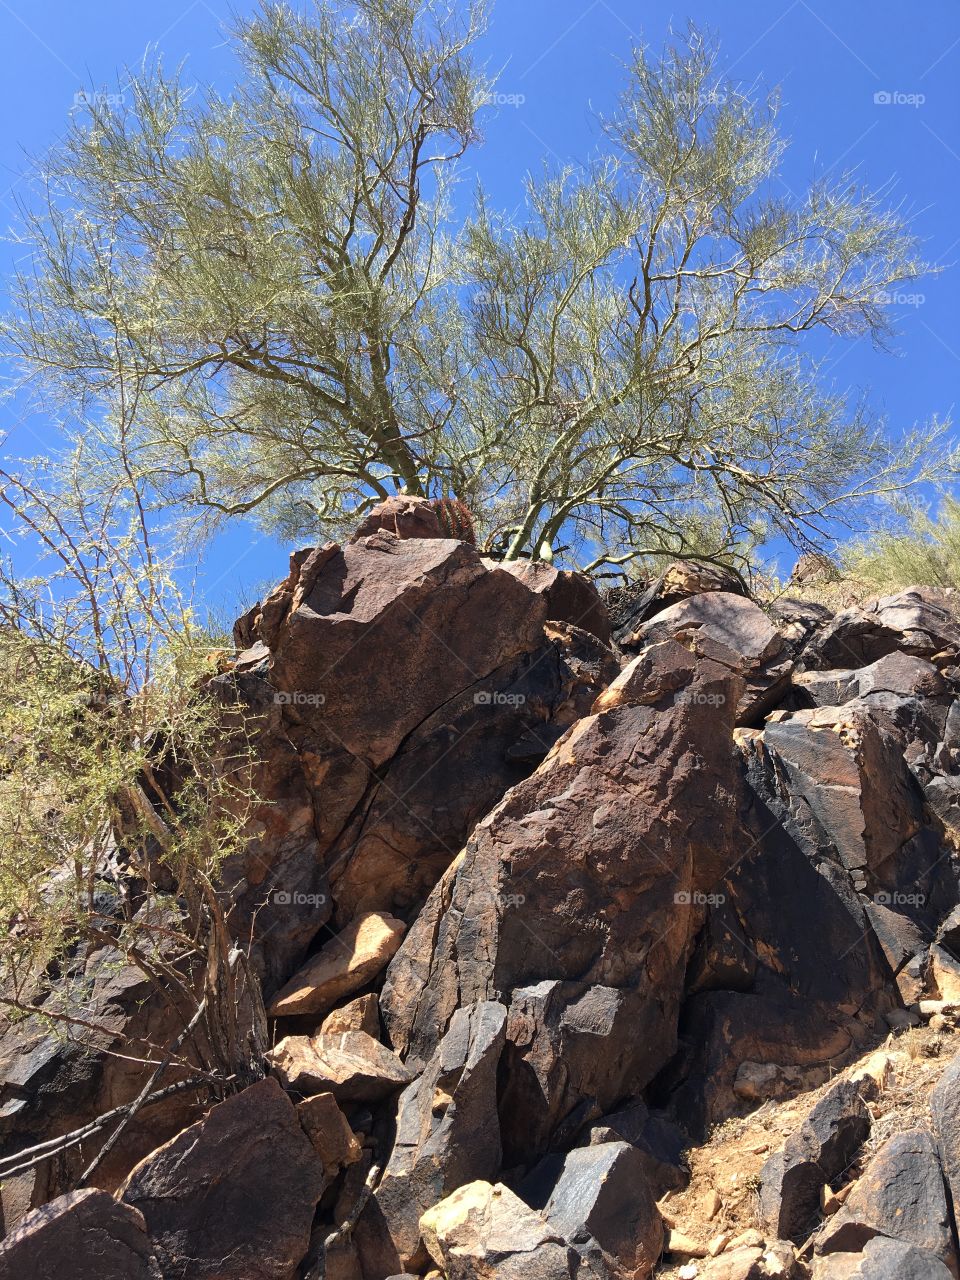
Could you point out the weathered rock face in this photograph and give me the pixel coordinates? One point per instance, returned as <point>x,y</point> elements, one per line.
<point>914,622</point>
<point>52,1084</point>
<point>631,605</point>
<point>85,1235</point>
<point>392,677</point>
<point>901,1195</point>
<point>760,653</point>
<point>233,1196</point>
<point>577,900</point>
<point>603,1206</point>
<point>447,1128</point>
<point>821,1150</point>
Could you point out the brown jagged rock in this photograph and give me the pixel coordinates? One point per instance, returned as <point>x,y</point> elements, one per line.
<point>85,1235</point>
<point>760,653</point>
<point>362,1014</point>
<point>570,596</point>
<point>916,621</point>
<point>403,516</point>
<point>580,894</point>
<point>635,602</point>
<point>389,680</point>
<point>233,1196</point>
<point>326,1126</point>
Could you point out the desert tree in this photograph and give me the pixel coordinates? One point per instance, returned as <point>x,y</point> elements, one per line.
<point>640,330</point>
<point>269,274</point>
<point>629,369</point>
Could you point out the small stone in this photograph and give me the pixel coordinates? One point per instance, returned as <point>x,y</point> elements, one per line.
<point>748,1239</point>
<point>684,1246</point>
<point>829,1204</point>
<point>717,1245</point>
<point>713,1205</point>
<point>902,1019</point>
<point>362,1014</point>
<point>688,1271</point>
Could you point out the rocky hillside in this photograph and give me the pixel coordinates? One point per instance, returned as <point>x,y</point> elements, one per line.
<point>597,939</point>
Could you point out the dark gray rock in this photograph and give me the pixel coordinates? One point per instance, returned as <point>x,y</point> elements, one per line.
<point>901,1195</point>
<point>819,1152</point>
<point>882,1259</point>
<point>945,1108</point>
<point>447,1128</point>
<point>233,1196</point>
<point>602,1205</point>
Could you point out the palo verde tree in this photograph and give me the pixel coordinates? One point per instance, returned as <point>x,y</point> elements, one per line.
<point>279,283</point>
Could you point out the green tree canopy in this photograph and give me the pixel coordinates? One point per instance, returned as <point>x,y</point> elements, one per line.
<point>269,299</point>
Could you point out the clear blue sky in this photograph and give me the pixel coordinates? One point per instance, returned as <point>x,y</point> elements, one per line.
<point>836,63</point>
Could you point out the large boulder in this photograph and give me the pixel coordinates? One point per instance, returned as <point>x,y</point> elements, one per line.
<point>633,603</point>
<point>233,1196</point>
<point>901,1195</point>
<point>85,1235</point>
<point>882,1259</point>
<point>343,965</point>
<point>351,1065</point>
<point>603,1206</point>
<point>447,1128</point>
<point>759,652</point>
<point>819,1152</point>
<point>577,900</point>
<point>386,683</point>
<point>570,596</point>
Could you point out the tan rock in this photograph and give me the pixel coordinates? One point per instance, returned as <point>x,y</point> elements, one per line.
<point>684,1246</point>
<point>480,1225</point>
<point>346,963</point>
<point>946,975</point>
<point>353,1067</point>
<point>717,1245</point>
<point>362,1014</point>
<point>712,1205</point>
<point>326,1126</point>
<point>749,1239</point>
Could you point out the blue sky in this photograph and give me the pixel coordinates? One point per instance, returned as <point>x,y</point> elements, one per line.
<point>876,86</point>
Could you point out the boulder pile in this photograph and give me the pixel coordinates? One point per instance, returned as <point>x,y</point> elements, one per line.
<point>540,890</point>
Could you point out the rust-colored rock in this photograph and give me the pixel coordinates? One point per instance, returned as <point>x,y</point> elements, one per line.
<point>233,1196</point>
